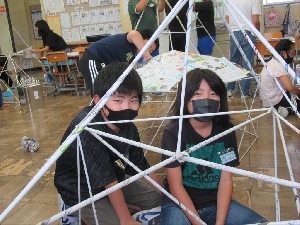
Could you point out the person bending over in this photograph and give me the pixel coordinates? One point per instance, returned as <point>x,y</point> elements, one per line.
<point>51,40</point>
<point>101,164</point>
<point>204,190</point>
<point>286,50</point>
<point>116,48</point>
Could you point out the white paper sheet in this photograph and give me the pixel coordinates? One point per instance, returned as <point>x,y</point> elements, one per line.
<point>66,35</point>
<point>75,18</point>
<point>84,17</point>
<point>65,21</point>
<point>75,34</point>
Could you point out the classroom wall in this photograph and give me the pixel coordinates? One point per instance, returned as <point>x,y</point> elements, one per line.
<point>21,21</point>
<point>295,8</point>
<point>5,39</point>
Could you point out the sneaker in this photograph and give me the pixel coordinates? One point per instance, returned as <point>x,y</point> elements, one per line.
<point>148,217</point>
<point>282,111</point>
<point>158,93</point>
<point>245,96</point>
<point>229,93</point>
<point>147,98</point>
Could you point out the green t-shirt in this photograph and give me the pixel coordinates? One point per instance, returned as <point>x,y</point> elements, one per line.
<point>148,20</point>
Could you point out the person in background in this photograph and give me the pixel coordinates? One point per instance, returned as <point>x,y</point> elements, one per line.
<point>206,37</point>
<point>3,69</point>
<point>100,161</point>
<point>177,25</point>
<point>143,15</point>
<point>251,9</point>
<point>51,42</point>
<point>286,50</point>
<point>205,191</point>
<point>115,48</point>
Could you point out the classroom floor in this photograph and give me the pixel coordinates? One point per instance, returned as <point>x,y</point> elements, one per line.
<point>47,126</point>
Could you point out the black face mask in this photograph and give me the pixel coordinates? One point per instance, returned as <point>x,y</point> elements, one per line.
<point>126,114</point>
<point>289,59</point>
<point>202,106</point>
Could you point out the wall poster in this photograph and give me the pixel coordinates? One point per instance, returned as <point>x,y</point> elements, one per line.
<point>36,14</point>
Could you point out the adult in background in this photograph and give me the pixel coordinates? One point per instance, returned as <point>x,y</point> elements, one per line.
<point>177,25</point>
<point>206,37</point>
<point>143,15</point>
<point>286,50</point>
<point>251,10</point>
<point>116,48</point>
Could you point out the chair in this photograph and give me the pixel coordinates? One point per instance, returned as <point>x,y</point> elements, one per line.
<point>61,59</point>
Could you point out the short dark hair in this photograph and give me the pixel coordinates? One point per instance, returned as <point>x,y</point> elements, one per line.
<point>110,74</point>
<point>43,27</point>
<point>284,45</point>
<point>147,34</point>
<point>193,80</point>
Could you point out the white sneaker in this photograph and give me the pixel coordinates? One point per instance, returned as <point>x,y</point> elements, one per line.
<point>282,111</point>
<point>148,217</point>
<point>229,93</point>
<point>245,96</point>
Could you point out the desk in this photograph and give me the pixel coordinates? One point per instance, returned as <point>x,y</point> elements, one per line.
<point>80,50</point>
<point>70,61</point>
<point>78,44</point>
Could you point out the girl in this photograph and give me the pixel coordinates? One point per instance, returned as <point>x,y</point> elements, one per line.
<point>286,50</point>
<point>51,40</point>
<point>204,190</point>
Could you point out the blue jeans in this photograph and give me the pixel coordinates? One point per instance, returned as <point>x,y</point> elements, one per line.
<point>237,214</point>
<point>206,45</point>
<point>235,56</point>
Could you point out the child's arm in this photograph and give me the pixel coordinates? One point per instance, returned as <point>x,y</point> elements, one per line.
<point>141,6</point>
<point>154,177</point>
<point>118,202</point>
<point>46,48</point>
<point>178,191</point>
<point>224,197</point>
<point>136,38</point>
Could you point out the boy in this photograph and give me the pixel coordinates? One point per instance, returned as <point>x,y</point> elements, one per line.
<point>100,161</point>
<point>116,48</point>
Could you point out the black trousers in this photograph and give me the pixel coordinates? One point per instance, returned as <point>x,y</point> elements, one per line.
<point>178,42</point>
<point>6,78</point>
<point>284,103</point>
<point>89,66</point>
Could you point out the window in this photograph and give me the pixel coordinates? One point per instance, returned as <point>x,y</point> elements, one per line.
<point>269,2</point>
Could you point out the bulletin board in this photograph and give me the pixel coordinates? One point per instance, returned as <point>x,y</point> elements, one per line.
<point>36,14</point>
<point>76,19</point>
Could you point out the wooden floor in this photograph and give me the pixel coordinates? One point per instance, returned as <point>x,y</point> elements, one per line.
<point>17,167</point>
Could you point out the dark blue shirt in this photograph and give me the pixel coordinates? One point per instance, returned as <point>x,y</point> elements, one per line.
<point>114,48</point>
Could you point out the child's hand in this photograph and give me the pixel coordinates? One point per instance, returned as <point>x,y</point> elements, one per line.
<point>31,50</point>
<point>146,56</point>
<point>1,88</point>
